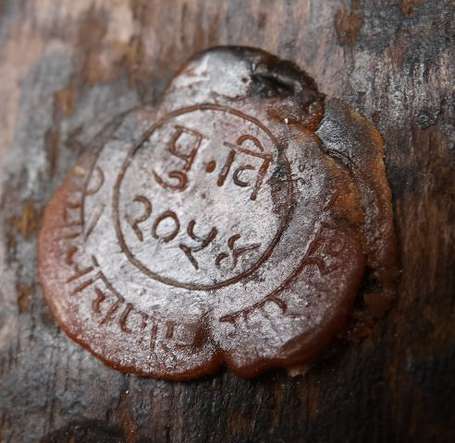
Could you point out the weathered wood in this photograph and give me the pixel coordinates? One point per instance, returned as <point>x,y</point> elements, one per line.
<point>68,67</point>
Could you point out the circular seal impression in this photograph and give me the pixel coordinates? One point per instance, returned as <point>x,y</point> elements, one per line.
<point>220,169</point>
<point>213,230</point>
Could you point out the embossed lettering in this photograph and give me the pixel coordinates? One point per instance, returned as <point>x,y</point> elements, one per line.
<point>97,213</point>
<point>235,252</point>
<point>135,222</point>
<point>239,149</point>
<point>128,313</point>
<point>184,145</point>
<point>203,243</point>
<point>96,182</point>
<point>173,233</point>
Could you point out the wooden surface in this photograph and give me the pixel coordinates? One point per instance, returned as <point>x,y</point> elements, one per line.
<point>67,67</point>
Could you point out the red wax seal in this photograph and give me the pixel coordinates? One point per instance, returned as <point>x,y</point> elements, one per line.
<point>232,225</point>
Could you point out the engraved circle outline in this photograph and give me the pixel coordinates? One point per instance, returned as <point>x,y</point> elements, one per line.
<point>129,158</point>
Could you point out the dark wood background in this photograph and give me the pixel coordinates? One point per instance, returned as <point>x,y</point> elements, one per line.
<point>69,66</point>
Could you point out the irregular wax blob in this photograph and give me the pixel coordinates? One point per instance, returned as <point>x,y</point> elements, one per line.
<point>352,139</point>
<point>234,224</point>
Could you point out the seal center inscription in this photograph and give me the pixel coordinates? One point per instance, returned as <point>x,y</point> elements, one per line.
<point>209,157</point>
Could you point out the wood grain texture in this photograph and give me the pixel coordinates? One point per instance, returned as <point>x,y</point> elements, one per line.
<point>67,67</point>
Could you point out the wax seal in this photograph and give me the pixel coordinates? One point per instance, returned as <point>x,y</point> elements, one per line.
<point>234,224</point>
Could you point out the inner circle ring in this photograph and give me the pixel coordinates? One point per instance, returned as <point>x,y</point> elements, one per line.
<point>284,220</point>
